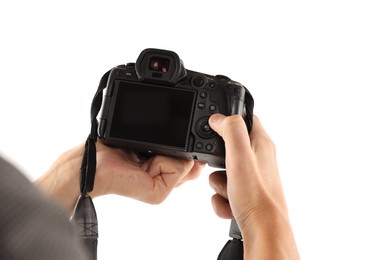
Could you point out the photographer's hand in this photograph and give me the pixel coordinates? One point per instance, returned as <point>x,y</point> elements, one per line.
<point>250,190</point>
<point>117,172</point>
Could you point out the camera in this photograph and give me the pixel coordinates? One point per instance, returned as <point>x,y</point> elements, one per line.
<point>157,106</point>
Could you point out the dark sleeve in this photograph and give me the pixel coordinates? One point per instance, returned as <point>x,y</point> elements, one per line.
<point>32,226</point>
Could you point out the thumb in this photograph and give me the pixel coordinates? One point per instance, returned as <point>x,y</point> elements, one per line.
<point>233,131</point>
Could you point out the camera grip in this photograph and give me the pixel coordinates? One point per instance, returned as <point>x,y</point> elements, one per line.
<point>238,100</point>
<point>237,106</point>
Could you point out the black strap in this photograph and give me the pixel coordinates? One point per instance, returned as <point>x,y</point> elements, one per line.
<point>88,166</point>
<point>84,216</point>
<point>233,250</point>
<point>85,221</point>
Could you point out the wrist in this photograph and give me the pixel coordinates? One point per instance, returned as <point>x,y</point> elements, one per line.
<point>61,181</point>
<point>270,236</point>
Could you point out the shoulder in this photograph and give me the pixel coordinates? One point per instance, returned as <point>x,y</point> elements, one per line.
<point>33,226</point>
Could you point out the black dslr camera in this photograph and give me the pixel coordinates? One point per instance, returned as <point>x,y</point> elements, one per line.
<point>156,106</point>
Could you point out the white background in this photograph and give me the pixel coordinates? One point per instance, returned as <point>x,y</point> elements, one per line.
<point>319,72</point>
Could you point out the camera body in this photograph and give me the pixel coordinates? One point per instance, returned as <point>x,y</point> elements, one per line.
<point>156,106</point>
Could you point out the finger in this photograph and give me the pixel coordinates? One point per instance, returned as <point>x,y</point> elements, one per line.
<point>265,151</point>
<point>175,168</point>
<point>166,173</point>
<point>237,143</point>
<point>218,181</point>
<point>221,207</point>
<point>193,174</point>
<point>233,131</point>
<point>260,140</point>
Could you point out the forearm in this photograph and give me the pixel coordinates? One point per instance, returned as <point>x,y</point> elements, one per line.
<point>272,239</point>
<point>61,181</point>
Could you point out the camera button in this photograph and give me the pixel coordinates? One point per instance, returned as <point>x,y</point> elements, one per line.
<point>206,128</point>
<point>199,145</point>
<point>203,94</point>
<point>201,105</point>
<point>213,108</point>
<point>203,128</point>
<point>198,81</point>
<point>212,84</point>
<point>209,147</point>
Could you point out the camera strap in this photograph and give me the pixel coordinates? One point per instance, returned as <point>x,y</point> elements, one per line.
<point>84,216</point>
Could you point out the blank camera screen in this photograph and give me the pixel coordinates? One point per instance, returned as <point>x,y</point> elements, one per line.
<point>152,114</point>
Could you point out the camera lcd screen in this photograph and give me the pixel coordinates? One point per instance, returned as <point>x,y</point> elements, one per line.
<point>152,114</point>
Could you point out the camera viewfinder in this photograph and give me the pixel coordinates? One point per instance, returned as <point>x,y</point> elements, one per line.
<point>159,64</point>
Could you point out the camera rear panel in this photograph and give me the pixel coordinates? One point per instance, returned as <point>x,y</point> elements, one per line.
<point>172,120</point>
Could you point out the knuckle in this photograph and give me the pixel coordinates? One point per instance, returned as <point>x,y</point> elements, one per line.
<point>232,124</point>
<point>234,120</point>
<point>267,146</point>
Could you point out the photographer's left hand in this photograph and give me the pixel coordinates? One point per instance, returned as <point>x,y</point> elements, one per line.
<point>117,172</point>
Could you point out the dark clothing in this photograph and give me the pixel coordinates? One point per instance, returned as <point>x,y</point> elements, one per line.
<point>32,226</point>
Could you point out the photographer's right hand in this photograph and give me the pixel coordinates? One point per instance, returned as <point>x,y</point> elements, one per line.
<point>250,190</point>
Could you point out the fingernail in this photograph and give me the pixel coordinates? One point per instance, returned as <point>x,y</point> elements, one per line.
<point>145,166</point>
<point>200,163</point>
<point>216,117</point>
